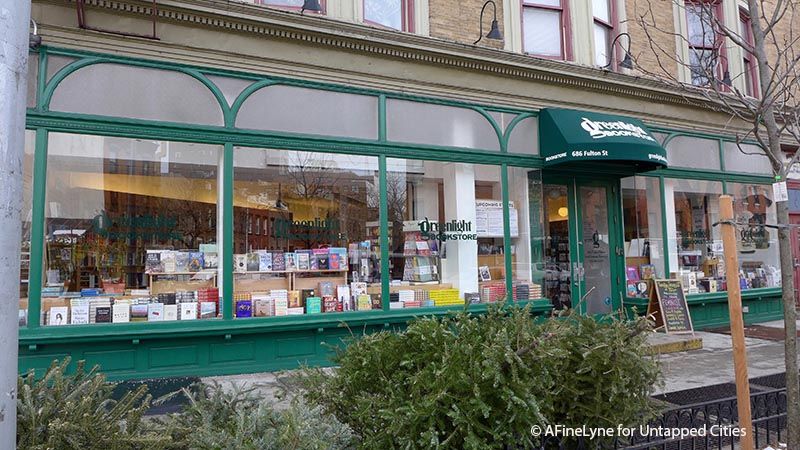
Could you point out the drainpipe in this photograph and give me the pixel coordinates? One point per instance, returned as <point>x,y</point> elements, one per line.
<point>14,40</point>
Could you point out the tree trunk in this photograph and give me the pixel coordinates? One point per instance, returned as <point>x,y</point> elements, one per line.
<point>790,324</point>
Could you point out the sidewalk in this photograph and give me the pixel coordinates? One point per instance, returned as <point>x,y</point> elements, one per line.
<point>713,364</point>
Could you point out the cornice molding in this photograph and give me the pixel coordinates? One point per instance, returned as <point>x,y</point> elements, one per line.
<point>320,31</point>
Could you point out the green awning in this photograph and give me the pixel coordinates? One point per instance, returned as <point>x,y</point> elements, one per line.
<point>572,136</point>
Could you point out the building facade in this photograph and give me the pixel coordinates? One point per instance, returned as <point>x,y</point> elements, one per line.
<point>216,187</point>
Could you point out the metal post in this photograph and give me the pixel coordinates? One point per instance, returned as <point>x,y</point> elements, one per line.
<point>737,320</point>
<point>15,18</point>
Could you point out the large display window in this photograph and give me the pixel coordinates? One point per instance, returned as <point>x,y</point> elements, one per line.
<point>306,233</point>
<point>644,245</point>
<point>130,231</point>
<point>695,245</point>
<point>758,251</point>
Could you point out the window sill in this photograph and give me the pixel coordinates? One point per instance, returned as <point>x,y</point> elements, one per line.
<point>226,328</point>
<point>714,297</point>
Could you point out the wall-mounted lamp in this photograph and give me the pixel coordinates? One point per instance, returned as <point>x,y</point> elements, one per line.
<point>35,40</point>
<point>311,5</point>
<point>627,62</point>
<point>494,32</point>
<point>726,79</point>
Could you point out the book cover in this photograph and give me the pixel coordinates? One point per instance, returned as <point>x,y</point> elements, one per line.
<point>210,260</point>
<point>321,258</point>
<point>326,289</point>
<point>152,263</point>
<point>79,311</point>
<point>171,312</point>
<point>278,262</point>
<point>330,304</point>
<point>139,312</point>
<point>263,307</point>
<point>102,314</point>
<point>240,263</point>
<point>632,273</point>
<point>304,295</point>
<point>647,271</point>
<point>121,313</point>
<point>58,315</point>
<point>196,262</point>
<point>295,311</point>
<point>182,260</point>
<point>303,259</point>
<point>294,299</point>
<point>253,262</point>
<point>244,308</point>
<point>155,312</point>
<point>313,305</point>
<point>291,261</point>
<point>376,302</point>
<point>281,306</point>
<point>208,310</point>
<point>364,303</point>
<point>358,288</point>
<point>337,258</point>
<point>343,295</point>
<point>631,289</point>
<point>168,261</point>
<point>265,261</point>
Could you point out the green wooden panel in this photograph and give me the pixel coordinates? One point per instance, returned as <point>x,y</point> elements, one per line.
<point>186,355</point>
<point>232,352</point>
<point>301,346</point>
<point>111,360</point>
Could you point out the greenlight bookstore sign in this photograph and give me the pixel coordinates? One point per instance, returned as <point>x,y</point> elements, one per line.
<point>570,135</point>
<point>317,228</point>
<point>454,230</point>
<point>145,227</point>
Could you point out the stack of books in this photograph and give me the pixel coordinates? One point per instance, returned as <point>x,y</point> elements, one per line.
<point>493,291</point>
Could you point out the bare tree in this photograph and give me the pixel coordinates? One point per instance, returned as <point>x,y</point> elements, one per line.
<point>768,114</point>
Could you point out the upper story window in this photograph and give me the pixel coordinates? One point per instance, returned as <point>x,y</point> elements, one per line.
<point>288,4</point>
<point>396,14</point>
<point>545,28</point>
<point>750,73</point>
<point>706,58</point>
<point>604,22</point>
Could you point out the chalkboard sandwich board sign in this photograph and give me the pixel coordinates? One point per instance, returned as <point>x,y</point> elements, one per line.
<point>669,308</point>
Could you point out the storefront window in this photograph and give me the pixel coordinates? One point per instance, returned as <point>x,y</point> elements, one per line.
<point>695,245</point>
<point>446,233</point>
<point>25,216</point>
<point>307,228</point>
<point>757,245</point>
<point>693,152</point>
<point>642,218</point>
<point>526,224</point>
<point>130,231</point>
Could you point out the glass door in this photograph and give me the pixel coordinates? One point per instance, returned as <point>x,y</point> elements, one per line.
<point>582,239</point>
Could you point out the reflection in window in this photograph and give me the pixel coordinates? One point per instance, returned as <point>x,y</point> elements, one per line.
<point>25,216</point>
<point>446,233</point>
<point>318,251</point>
<point>542,25</point>
<point>526,225</point>
<point>704,42</point>
<point>130,231</point>
<point>757,245</point>
<point>644,249</point>
<point>603,32</point>
<point>388,13</point>
<point>695,245</point>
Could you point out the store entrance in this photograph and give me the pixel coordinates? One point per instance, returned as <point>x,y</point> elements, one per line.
<point>583,252</point>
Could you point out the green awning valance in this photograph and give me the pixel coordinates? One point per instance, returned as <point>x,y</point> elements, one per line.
<point>572,136</point>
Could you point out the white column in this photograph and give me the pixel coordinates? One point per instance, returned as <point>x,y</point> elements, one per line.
<point>460,267</point>
<point>669,210</point>
<point>14,22</point>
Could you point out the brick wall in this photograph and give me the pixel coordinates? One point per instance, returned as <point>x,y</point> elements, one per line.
<point>459,21</point>
<point>649,56</point>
